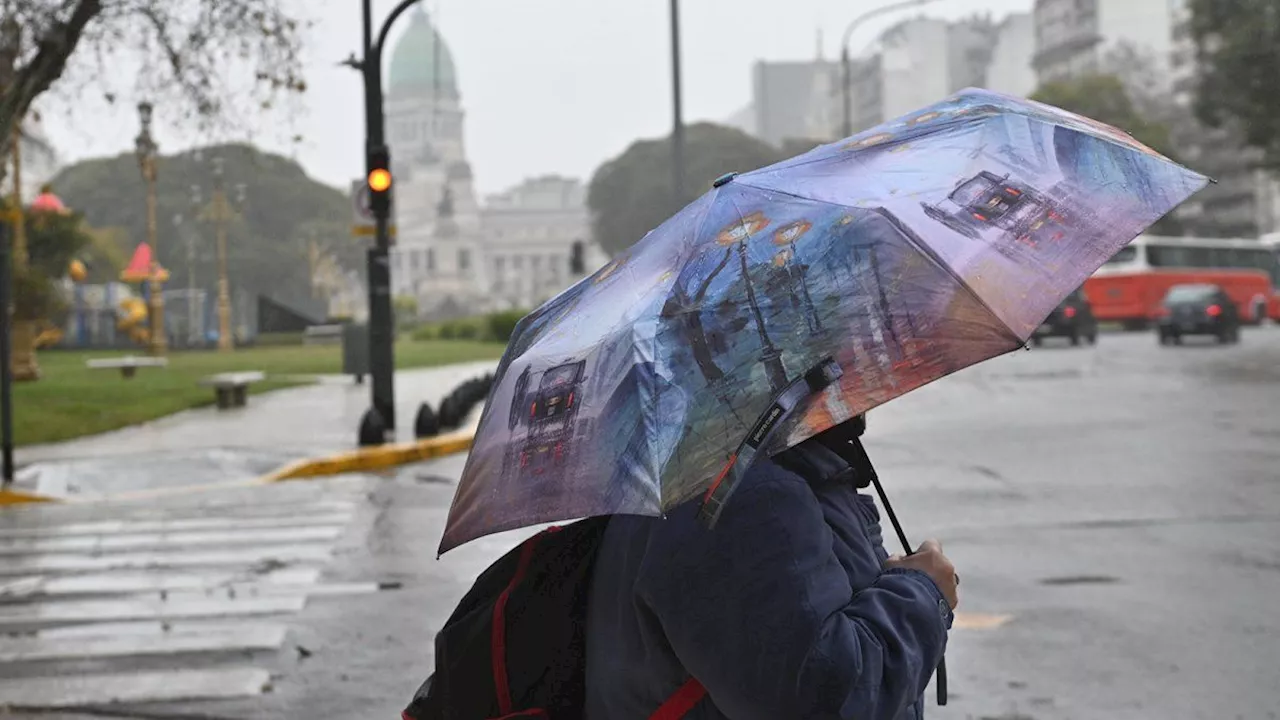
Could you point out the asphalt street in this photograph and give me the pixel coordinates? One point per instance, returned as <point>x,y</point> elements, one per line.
<point>1114,512</point>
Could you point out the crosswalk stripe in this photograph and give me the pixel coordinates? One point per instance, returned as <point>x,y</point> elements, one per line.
<point>25,618</point>
<point>136,541</point>
<point>118,583</point>
<point>59,562</point>
<point>296,517</point>
<point>190,586</point>
<point>212,639</point>
<point>69,691</point>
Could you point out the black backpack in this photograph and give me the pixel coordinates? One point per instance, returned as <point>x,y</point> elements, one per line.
<point>515,647</point>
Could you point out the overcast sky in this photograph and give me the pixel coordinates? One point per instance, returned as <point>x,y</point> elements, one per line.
<point>549,86</point>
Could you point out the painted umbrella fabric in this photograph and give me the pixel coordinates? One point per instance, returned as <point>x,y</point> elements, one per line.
<point>905,253</point>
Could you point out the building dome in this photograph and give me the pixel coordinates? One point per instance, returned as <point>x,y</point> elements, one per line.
<point>421,59</point>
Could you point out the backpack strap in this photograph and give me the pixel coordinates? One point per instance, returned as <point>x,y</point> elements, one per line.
<point>679,704</point>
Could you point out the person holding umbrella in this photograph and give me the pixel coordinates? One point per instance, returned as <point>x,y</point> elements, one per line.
<point>789,608</point>
<point>723,563</point>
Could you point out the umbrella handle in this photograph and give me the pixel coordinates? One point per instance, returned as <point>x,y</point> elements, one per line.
<point>856,455</point>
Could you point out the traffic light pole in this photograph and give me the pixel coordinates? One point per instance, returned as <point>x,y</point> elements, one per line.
<point>382,414</point>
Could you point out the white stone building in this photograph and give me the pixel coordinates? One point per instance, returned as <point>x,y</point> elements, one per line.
<point>1010,70</point>
<point>914,63</point>
<point>529,234</point>
<point>40,160</point>
<point>449,246</point>
<point>1073,37</point>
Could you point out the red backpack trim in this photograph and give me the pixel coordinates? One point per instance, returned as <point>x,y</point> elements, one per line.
<point>676,706</point>
<point>498,639</point>
<point>679,705</point>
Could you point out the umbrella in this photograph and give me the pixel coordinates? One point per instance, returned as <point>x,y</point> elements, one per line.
<point>790,299</point>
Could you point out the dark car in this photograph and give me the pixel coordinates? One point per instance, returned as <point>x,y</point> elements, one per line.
<point>1199,309</point>
<point>987,201</point>
<point>1072,319</point>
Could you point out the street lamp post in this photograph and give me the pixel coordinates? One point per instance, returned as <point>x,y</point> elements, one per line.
<point>677,107</point>
<point>846,82</point>
<point>146,149</point>
<point>221,215</point>
<point>220,211</point>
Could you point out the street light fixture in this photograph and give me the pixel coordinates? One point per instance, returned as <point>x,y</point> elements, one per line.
<point>380,420</point>
<point>846,83</point>
<point>146,149</point>
<point>221,215</point>
<point>677,107</point>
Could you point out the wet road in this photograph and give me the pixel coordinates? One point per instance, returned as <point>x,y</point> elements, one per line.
<point>1114,511</point>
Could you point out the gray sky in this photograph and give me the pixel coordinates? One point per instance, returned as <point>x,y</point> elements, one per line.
<point>549,86</point>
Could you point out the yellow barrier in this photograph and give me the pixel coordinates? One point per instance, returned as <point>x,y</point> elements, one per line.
<point>379,457</point>
<point>15,497</point>
<point>363,460</point>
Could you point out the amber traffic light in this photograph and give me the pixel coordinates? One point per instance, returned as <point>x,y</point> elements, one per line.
<point>380,180</point>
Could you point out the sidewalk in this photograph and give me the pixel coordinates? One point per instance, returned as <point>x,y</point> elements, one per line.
<point>206,444</point>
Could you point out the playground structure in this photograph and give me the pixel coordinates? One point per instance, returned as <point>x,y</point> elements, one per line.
<point>133,316</point>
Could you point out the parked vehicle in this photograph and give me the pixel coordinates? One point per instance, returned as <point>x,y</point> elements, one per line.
<point>1198,309</point>
<point>1131,286</point>
<point>1072,319</point>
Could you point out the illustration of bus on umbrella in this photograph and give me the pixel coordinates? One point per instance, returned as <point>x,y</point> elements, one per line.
<point>988,201</point>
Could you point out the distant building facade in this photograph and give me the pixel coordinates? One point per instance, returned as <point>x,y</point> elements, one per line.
<point>529,234</point>
<point>1079,37</point>
<point>40,160</point>
<point>1010,70</point>
<point>452,254</point>
<point>1073,36</point>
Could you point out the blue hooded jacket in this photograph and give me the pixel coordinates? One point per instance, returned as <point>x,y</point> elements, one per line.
<point>783,610</point>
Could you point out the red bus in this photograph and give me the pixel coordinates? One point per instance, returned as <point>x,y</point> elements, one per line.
<point>1131,285</point>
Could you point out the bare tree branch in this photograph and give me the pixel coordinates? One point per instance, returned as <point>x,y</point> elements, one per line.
<point>29,81</point>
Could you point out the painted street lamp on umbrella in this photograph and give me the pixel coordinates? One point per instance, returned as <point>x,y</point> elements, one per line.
<point>146,149</point>
<point>738,234</point>
<point>786,238</point>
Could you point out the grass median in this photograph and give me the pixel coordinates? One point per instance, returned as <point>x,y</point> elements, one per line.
<point>71,401</point>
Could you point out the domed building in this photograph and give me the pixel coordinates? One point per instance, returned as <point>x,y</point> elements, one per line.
<point>437,253</point>
<point>451,255</point>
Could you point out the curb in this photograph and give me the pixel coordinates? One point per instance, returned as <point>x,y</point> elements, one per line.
<point>17,497</point>
<point>378,457</point>
<point>363,460</point>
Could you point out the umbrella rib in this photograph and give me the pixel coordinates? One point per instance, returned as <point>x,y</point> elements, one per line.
<point>922,247</point>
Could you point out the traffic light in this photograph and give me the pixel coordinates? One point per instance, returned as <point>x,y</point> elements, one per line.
<point>577,263</point>
<point>379,181</point>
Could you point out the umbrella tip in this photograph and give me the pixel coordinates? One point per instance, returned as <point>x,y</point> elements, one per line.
<point>724,179</point>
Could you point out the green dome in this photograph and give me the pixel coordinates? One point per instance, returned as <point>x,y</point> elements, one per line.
<point>422,58</point>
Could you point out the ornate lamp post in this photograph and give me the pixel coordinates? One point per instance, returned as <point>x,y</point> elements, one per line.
<point>146,149</point>
<point>220,212</point>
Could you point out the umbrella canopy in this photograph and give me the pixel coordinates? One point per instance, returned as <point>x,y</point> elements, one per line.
<point>888,260</point>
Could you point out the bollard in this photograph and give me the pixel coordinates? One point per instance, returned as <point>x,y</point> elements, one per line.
<point>373,429</point>
<point>449,416</point>
<point>426,424</point>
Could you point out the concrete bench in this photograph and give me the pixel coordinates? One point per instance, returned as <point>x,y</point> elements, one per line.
<point>322,335</point>
<point>128,365</point>
<point>231,389</point>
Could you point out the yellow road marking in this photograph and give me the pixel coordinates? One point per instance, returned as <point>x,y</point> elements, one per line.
<point>978,621</point>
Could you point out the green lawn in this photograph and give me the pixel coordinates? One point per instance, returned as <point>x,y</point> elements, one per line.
<point>70,400</point>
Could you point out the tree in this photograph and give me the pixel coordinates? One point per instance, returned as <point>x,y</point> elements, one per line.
<point>53,240</point>
<point>269,241</point>
<point>631,194</point>
<point>1104,97</point>
<point>183,49</point>
<point>1237,52</point>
